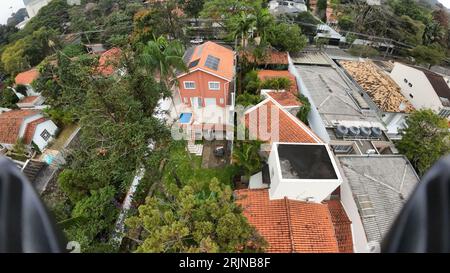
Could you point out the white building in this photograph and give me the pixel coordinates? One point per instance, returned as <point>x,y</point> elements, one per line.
<point>33,6</point>
<point>287,7</point>
<point>302,171</point>
<point>30,126</point>
<point>423,88</point>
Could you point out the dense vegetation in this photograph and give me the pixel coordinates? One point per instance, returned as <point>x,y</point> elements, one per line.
<point>423,31</point>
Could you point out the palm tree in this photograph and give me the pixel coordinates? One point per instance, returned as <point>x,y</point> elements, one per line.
<point>433,33</point>
<point>163,58</point>
<point>263,20</point>
<point>241,25</point>
<point>246,157</point>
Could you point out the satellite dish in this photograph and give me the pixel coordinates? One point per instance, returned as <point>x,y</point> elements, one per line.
<point>402,106</point>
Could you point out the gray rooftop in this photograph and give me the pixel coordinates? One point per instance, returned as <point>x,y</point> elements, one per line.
<point>313,57</point>
<point>337,53</point>
<point>380,185</point>
<point>336,98</point>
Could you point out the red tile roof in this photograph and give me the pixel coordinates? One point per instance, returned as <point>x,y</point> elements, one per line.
<point>10,123</point>
<point>273,57</point>
<point>29,99</point>
<point>342,226</point>
<point>27,77</point>
<point>31,128</point>
<point>270,74</point>
<point>290,129</point>
<point>108,62</point>
<point>289,225</point>
<point>225,55</point>
<point>285,98</point>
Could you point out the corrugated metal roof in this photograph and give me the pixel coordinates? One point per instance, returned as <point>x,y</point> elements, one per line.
<point>381,186</point>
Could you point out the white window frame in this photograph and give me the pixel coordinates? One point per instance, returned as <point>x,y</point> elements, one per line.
<point>188,82</point>
<point>215,89</point>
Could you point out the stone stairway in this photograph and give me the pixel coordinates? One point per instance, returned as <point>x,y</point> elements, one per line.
<point>196,149</point>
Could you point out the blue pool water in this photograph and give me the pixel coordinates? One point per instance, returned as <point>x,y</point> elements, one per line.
<point>185,117</point>
<point>49,159</point>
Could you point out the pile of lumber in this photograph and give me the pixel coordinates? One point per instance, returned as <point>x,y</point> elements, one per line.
<point>384,92</point>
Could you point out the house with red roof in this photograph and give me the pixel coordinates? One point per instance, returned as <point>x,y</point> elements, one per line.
<point>26,78</point>
<point>30,102</point>
<point>270,121</point>
<point>292,202</point>
<point>28,125</point>
<point>109,61</point>
<point>291,226</point>
<point>204,99</point>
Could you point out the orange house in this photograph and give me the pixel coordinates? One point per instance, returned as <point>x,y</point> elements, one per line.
<point>209,81</point>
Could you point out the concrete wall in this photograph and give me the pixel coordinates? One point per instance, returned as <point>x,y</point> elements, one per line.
<point>394,122</point>
<point>421,94</point>
<point>37,138</point>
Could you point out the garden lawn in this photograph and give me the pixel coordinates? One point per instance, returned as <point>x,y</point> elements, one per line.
<point>188,167</point>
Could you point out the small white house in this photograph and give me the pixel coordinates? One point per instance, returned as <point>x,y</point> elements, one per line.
<point>302,171</point>
<point>287,7</point>
<point>28,125</point>
<point>26,78</point>
<point>423,88</point>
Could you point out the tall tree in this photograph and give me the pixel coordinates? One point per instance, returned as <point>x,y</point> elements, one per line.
<point>163,58</point>
<point>425,139</point>
<point>195,218</point>
<point>192,8</point>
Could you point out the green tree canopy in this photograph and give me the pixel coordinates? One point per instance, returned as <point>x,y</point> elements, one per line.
<point>425,139</point>
<point>286,37</point>
<point>196,218</point>
<point>431,55</point>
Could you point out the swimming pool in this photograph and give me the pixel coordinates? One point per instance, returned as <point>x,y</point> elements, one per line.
<point>185,118</point>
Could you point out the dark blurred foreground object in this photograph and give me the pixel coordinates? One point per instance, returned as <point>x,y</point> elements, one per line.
<point>25,224</point>
<point>423,224</point>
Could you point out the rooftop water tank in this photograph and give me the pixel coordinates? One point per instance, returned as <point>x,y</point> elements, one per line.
<point>353,131</point>
<point>341,131</point>
<point>365,131</point>
<point>376,132</point>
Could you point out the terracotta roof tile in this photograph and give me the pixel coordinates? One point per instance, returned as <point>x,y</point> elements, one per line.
<point>10,123</point>
<point>289,225</point>
<point>273,57</point>
<point>108,62</point>
<point>270,74</point>
<point>290,129</point>
<point>31,128</point>
<point>285,98</point>
<point>27,77</point>
<point>342,226</point>
<point>29,99</point>
<point>225,55</point>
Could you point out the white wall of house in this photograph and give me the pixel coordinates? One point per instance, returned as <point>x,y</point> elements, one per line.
<point>33,6</point>
<point>394,122</point>
<point>421,94</point>
<point>314,190</point>
<point>48,125</point>
<point>358,233</point>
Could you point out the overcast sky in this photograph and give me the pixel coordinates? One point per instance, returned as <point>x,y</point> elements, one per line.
<point>6,10</point>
